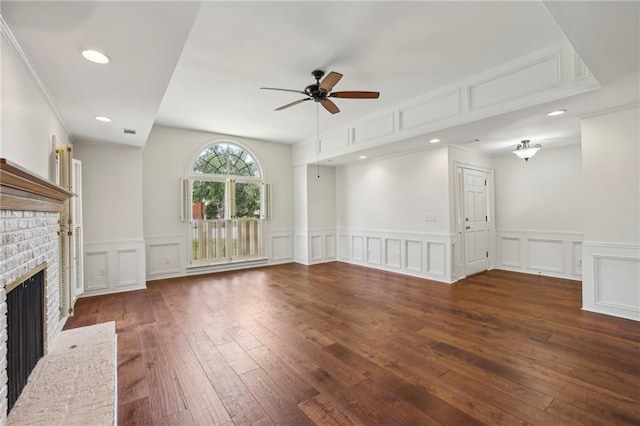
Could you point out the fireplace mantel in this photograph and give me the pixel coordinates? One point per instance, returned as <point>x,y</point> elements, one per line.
<point>22,190</point>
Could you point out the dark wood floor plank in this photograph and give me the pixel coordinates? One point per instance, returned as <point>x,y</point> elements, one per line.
<point>205,406</point>
<point>238,401</point>
<point>165,394</point>
<point>282,374</point>
<point>322,412</point>
<point>137,412</point>
<point>132,381</point>
<point>342,344</point>
<point>277,402</point>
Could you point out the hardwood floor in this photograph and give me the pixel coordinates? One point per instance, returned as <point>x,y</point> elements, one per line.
<point>341,344</point>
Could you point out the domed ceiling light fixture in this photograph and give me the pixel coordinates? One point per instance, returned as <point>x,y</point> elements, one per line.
<point>525,151</point>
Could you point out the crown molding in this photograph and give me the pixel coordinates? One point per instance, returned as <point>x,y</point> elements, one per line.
<point>16,47</point>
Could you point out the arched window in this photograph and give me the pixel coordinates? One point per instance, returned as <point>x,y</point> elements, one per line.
<point>225,200</point>
<point>226,159</point>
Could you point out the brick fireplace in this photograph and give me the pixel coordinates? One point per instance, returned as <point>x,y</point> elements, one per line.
<point>29,215</point>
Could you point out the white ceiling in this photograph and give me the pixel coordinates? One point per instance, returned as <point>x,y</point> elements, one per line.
<point>200,66</point>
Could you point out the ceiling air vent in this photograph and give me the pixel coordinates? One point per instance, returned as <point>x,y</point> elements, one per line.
<point>129,131</point>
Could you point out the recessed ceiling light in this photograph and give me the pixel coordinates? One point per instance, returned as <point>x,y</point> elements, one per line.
<point>557,112</point>
<point>434,140</point>
<point>102,118</point>
<point>362,157</point>
<point>95,56</point>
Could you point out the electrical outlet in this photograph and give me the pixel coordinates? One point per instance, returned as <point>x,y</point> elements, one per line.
<point>167,260</point>
<point>102,272</point>
<point>430,218</point>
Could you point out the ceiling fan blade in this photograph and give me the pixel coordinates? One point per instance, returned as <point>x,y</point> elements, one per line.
<point>283,90</point>
<point>292,104</point>
<point>329,81</point>
<point>330,106</point>
<point>355,95</point>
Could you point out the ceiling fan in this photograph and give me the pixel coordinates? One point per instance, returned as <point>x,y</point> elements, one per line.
<point>321,92</point>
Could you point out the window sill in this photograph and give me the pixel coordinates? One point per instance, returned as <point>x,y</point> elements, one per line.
<point>228,266</point>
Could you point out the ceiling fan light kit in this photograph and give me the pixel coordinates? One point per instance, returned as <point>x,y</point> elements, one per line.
<point>320,92</point>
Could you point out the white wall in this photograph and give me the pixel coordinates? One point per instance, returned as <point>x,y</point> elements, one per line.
<point>539,212</point>
<point>543,194</point>
<point>315,214</point>
<point>114,250</point>
<point>395,193</point>
<point>381,214</point>
<point>112,197</point>
<point>167,157</point>
<point>611,167</point>
<point>27,121</point>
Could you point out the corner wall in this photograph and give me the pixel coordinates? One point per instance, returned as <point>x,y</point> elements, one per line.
<point>393,214</point>
<point>611,249</point>
<point>539,212</point>
<point>114,249</point>
<point>166,158</point>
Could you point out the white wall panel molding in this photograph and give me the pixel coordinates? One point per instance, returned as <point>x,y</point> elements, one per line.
<point>545,255</point>
<point>114,266</point>
<point>421,255</point>
<point>393,253</point>
<point>580,70</point>
<point>163,258</point>
<point>543,76</point>
<point>374,250</point>
<point>611,283</point>
<point>301,248</point>
<point>315,246</point>
<point>430,110</point>
<point>96,269</point>
<point>530,78</point>
<point>374,129</point>
<point>549,253</point>
<point>280,247</point>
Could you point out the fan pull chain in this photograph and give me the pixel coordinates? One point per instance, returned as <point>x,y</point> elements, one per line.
<point>318,135</point>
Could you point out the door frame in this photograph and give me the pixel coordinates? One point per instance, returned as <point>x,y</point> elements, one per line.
<point>459,251</point>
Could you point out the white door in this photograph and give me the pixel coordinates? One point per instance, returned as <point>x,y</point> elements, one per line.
<point>476,221</point>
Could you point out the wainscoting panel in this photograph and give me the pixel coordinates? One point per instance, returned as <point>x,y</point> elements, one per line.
<point>128,264</point>
<point>511,253</point>
<point>301,249</point>
<point>316,248</point>
<point>344,248</point>
<point>357,248</point>
<point>611,283</point>
<point>281,248</point>
<point>330,247</point>
<point>436,260</point>
<point>416,254</point>
<point>393,249</point>
<point>114,266</point>
<point>545,255</point>
<point>164,258</point>
<point>413,259</point>
<point>550,253</point>
<point>96,269</point>
<point>374,250</point>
